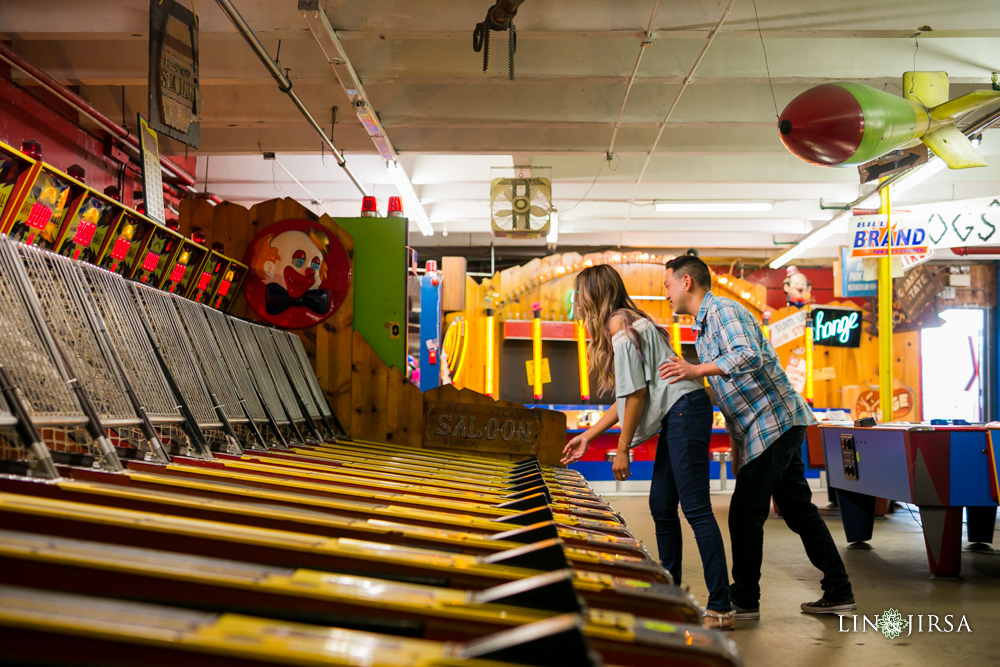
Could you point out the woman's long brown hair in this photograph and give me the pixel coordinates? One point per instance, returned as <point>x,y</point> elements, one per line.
<point>600,297</point>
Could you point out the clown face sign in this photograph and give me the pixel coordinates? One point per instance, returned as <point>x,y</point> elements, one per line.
<point>299,274</point>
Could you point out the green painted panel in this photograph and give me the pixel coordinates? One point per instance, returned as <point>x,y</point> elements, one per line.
<point>380,284</point>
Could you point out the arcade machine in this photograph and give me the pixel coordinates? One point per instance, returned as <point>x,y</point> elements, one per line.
<point>90,227</point>
<point>18,170</point>
<point>940,467</point>
<point>44,203</point>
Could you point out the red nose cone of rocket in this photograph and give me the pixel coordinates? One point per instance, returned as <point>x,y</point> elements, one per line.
<point>823,125</point>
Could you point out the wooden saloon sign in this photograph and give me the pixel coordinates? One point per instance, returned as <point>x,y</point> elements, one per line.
<point>483,428</point>
<point>174,89</point>
<point>467,421</point>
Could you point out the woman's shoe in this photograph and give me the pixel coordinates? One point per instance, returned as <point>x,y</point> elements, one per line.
<point>718,620</point>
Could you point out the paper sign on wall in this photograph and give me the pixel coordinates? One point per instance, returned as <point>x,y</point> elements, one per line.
<point>796,372</point>
<point>788,329</point>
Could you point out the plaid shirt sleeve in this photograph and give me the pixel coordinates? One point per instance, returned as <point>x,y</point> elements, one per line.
<point>739,353</point>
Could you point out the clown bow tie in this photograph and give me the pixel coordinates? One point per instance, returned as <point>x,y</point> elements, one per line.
<point>278,300</point>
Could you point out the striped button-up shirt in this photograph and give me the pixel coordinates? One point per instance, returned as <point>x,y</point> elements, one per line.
<point>754,395</point>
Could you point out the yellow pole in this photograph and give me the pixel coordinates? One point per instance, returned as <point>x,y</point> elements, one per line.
<point>490,352</point>
<point>675,336</point>
<point>463,346</point>
<point>536,351</point>
<point>581,350</point>
<point>809,355</point>
<point>885,315</point>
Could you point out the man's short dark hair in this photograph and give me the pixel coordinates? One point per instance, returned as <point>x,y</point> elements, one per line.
<point>691,266</point>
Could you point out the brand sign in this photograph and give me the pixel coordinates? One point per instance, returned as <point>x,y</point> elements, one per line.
<point>836,327</point>
<point>483,428</point>
<point>874,236</point>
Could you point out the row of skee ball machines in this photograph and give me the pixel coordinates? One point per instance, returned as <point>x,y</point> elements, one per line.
<point>176,489</point>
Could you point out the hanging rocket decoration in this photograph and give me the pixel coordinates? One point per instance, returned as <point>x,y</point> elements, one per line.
<point>847,124</point>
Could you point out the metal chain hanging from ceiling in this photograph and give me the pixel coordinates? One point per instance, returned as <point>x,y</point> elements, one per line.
<point>499,17</point>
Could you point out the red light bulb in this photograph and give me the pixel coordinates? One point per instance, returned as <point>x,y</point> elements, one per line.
<point>395,207</point>
<point>369,208</point>
<point>32,149</point>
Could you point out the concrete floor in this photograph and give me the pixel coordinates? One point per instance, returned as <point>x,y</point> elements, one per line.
<point>892,575</point>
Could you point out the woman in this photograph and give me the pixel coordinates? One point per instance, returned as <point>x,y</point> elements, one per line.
<point>626,349</point>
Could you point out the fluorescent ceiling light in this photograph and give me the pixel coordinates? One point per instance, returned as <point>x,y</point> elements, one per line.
<point>553,236</point>
<point>411,203</point>
<point>680,206</point>
<point>918,175</point>
<point>836,226</point>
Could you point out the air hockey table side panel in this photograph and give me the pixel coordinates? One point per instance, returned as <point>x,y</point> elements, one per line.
<point>883,469</point>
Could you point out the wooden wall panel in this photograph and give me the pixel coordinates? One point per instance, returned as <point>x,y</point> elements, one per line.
<point>369,392</point>
<point>231,227</point>
<point>453,282</point>
<point>404,411</point>
<point>856,370</point>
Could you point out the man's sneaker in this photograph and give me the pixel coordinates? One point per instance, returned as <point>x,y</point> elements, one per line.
<point>746,614</point>
<point>824,606</point>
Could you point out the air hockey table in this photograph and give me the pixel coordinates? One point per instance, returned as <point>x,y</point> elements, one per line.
<point>940,468</point>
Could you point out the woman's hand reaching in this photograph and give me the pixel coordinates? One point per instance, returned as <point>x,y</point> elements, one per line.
<point>575,449</point>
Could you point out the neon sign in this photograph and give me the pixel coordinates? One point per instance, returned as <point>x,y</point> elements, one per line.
<point>837,327</point>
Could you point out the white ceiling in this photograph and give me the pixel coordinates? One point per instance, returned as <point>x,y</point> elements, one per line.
<point>451,122</point>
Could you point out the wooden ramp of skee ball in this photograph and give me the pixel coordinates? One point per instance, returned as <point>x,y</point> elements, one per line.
<point>529,508</point>
<point>373,605</point>
<point>326,525</point>
<point>512,487</point>
<point>342,453</point>
<point>316,484</point>
<point>524,528</point>
<point>59,628</point>
<point>498,488</point>
<point>394,460</point>
<point>532,497</point>
<point>345,556</point>
<point>462,464</point>
<point>516,484</point>
<point>446,461</point>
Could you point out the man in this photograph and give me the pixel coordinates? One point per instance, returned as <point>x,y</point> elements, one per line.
<point>767,420</point>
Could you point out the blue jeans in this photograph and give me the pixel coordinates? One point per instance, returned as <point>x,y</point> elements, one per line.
<point>680,474</point>
<point>779,472</point>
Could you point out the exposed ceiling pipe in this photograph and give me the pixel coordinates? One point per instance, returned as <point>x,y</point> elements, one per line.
<point>670,112</point>
<point>174,172</point>
<point>977,250</point>
<point>286,86</point>
<point>647,40</point>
